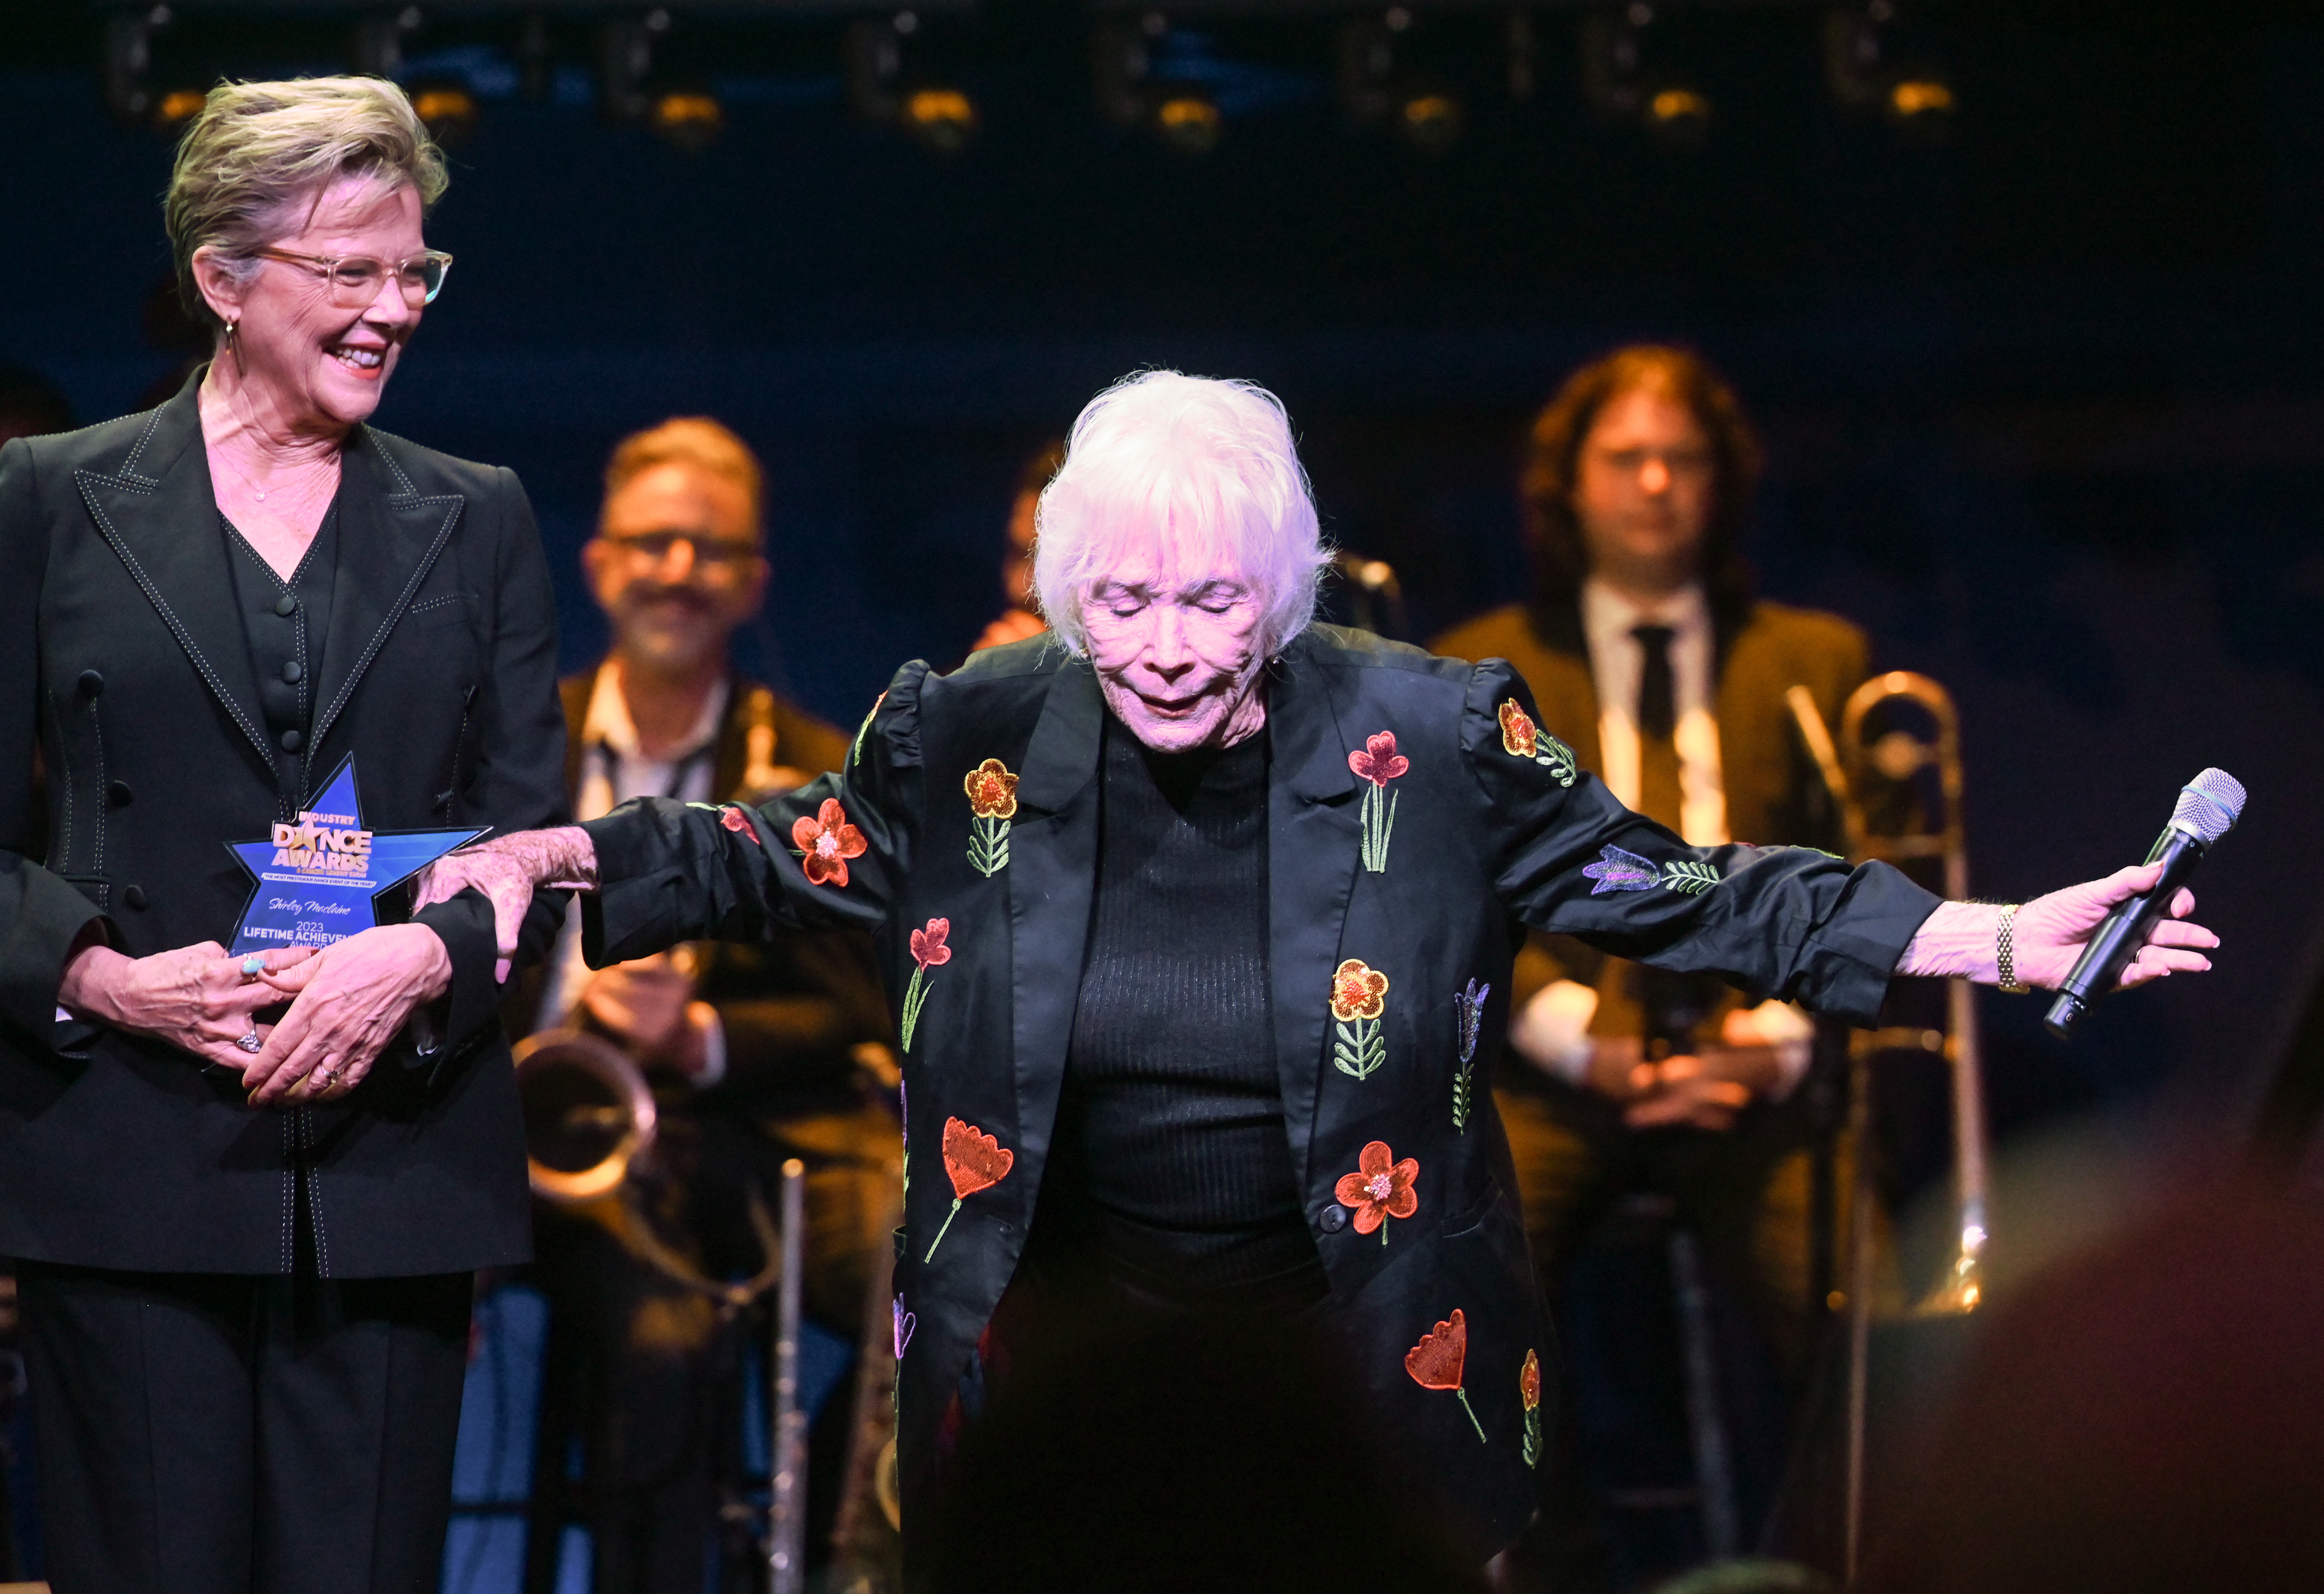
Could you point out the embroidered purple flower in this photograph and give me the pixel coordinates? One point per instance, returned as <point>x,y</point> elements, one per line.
<point>905,1323</point>
<point>1616,870</point>
<point>1469,1004</point>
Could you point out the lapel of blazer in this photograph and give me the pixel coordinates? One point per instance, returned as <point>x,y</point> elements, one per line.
<point>1052,875</point>
<point>158,511</point>
<point>1312,851</point>
<point>389,539</point>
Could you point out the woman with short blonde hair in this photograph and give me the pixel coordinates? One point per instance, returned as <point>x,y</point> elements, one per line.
<point>248,1190</point>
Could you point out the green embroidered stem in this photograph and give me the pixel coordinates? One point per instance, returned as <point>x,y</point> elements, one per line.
<point>855,755</point>
<point>1379,822</point>
<point>915,994</point>
<point>1557,758</point>
<point>1358,1051</point>
<point>1461,1098</point>
<point>988,847</point>
<point>1465,1406</point>
<point>1533,1438</point>
<point>933,1244</point>
<point>1687,875</point>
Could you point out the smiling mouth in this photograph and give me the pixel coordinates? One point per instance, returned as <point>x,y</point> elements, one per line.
<point>357,357</point>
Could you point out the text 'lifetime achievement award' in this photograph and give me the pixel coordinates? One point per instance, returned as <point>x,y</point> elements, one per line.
<point>317,878</point>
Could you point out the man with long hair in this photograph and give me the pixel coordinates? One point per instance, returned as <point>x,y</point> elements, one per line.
<point>1648,653</point>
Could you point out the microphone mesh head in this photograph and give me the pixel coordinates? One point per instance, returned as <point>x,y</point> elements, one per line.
<point>2209,805</point>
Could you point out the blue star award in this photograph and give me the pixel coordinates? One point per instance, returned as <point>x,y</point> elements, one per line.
<point>315,879</point>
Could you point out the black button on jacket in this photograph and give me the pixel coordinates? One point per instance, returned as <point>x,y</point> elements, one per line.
<point>1418,816</point>
<point>122,656</point>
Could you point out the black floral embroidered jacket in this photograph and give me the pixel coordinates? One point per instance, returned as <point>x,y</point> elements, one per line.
<point>963,832</point>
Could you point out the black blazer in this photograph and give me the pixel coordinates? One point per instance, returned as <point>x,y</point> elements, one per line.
<point>122,652</point>
<point>1501,830</point>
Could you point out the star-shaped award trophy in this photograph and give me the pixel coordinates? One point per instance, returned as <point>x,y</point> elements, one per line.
<point>315,879</point>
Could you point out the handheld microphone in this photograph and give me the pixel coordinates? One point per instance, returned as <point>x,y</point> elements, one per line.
<point>2208,808</point>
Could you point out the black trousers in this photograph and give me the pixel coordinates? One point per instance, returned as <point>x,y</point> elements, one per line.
<point>204,1433</point>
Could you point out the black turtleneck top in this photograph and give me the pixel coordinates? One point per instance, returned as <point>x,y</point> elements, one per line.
<point>1171,1171</point>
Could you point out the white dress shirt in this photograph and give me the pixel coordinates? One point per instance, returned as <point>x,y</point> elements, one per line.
<point>613,770</point>
<point>1552,1030</point>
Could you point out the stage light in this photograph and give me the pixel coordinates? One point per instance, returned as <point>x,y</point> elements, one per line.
<point>689,119</point>
<point>1189,123</point>
<point>942,118</point>
<point>1920,96</point>
<point>1432,122</point>
<point>448,110</point>
<point>174,109</point>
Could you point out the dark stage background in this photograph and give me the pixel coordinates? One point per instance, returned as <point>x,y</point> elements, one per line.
<point>2044,402</point>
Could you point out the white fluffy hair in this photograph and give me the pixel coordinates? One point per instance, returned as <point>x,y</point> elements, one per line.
<point>1200,472</point>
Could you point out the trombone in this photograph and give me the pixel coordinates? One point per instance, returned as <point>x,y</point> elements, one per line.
<point>1852,768</point>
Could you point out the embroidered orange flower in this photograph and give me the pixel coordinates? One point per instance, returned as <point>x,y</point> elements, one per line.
<point>1435,1363</point>
<point>1380,1188</point>
<point>1377,760</point>
<point>828,841</point>
<point>929,949</point>
<point>1516,729</point>
<point>975,1159</point>
<point>1356,991</point>
<point>1529,1381</point>
<point>992,790</point>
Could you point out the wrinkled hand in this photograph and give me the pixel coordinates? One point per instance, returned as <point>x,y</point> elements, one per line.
<point>1956,941</point>
<point>347,1002</point>
<point>195,998</point>
<point>508,869</point>
<point>2052,930</point>
<point>650,1003</point>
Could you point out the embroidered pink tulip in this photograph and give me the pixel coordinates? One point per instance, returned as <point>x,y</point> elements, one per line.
<point>928,952</point>
<point>1377,760</point>
<point>732,818</point>
<point>1380,1188</point>
<point>1438,1360</point>
<point>827,841</point>
<point>929,949</point>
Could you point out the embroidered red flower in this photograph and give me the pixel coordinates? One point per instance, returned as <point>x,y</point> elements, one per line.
<point>1516,729</point>
<point>929,949</point>
<point>975,1159</point>
<point>732,818</point>
<point>1435,1363</point>
<point>1380,1188</point>
<point>1529,1381</point>
<point>828,840</point>
<point>992,790</point>
<point>1377,760</point>
<point>1356,991</point>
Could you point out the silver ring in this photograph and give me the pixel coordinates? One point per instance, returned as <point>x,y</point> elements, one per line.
<point>254,966</point>
<point>250,1043</point>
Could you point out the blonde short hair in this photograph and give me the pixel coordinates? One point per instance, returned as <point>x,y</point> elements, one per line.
<point>689,440</point>
<point>258,152</point>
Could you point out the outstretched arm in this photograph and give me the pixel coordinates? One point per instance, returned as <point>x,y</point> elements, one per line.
<point>1961,941</point>
<point>508,870</point>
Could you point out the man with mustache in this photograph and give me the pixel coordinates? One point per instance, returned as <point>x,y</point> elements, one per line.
<point>754,1053</point>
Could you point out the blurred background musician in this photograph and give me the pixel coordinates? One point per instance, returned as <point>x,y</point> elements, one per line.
<point>1649,655</point>
<point>1022,618</point>
<point>753,1053</point>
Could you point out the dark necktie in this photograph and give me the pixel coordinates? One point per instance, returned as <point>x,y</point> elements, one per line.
<point>1658,787</point>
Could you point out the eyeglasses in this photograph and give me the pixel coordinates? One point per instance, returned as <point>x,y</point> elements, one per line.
<point>355,279</point>
<point>712,556</point>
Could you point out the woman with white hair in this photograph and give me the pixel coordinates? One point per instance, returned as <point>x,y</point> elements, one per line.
<point>245,1234</point>
<point>1177,964</point>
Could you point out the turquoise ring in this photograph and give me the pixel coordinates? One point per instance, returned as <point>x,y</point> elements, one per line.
<point>254,965</point>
